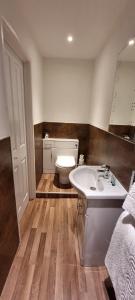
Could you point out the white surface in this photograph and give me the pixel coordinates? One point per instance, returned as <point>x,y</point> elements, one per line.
<point>123,112</point>
<point>52,148</point>
<point>84,177</point>
<point>120,258</point>
<point>4,121</point>
<point>99,226</point>
<point>15,97</point>
<point>9,36</point>
<point>129,203</point>
<point>65,161</point>
<point>48,140</point>
<point>105,68</point>
<point>61,143</point>
<point>67,90</point>
<point>90,22</point>
<point>100,107</point>
<point>128,54</point>
<point>29,132</point>
<point>9,11</point>
<point>48,160</point>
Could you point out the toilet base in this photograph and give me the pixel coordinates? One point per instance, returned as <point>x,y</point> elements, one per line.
<point>64,174</point>
<point>64,178</point>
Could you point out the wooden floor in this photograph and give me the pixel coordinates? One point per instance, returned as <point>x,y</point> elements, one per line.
<point>47,265</point>
<point>50,183</point>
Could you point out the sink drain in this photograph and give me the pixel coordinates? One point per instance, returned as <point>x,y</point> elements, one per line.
<point>92,188</point>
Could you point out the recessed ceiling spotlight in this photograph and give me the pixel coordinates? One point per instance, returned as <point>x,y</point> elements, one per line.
<point>70,38</point>
<point>131,42</point>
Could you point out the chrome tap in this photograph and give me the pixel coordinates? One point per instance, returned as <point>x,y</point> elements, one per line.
<point>106,171</point>
<point>113,180</point>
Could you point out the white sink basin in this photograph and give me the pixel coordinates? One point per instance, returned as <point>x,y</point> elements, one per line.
<point>86,180</point>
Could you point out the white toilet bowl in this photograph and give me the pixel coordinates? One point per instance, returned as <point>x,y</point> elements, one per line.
<point>64,165</point>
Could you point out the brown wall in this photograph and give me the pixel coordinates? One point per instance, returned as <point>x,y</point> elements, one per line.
<point>122,130</point>
<point>9,238</point>
<point>38,135</point>
<point>71,131</point>
<point>106,148</point>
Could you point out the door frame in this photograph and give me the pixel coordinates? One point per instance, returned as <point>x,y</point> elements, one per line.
<point>9,36</point>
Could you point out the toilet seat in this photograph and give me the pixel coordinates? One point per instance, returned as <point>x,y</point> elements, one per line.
<point>65,161</point>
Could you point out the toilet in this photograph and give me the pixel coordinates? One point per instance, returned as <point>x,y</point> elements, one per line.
<point>60,156</point>
<point>64,165</point>
<point>66,158</point>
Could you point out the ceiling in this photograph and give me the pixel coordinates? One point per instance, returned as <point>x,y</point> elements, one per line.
<point>89,21</point>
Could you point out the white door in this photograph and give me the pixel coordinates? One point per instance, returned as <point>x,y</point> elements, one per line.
<point>15,96</point>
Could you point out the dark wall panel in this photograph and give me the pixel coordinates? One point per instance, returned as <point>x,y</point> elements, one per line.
<point>9,238</point>
<point>106,148</point>
<point>38,135</point>
<point>120,130</point>
<point>71,131</point>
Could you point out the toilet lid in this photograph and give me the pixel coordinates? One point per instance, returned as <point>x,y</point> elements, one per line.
<point>65,161</point>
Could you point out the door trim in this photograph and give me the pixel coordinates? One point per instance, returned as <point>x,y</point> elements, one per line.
<point>9,36</point>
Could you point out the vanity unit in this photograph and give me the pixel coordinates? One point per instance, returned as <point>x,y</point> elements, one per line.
<point>95,223</point>
<point>99,206</point>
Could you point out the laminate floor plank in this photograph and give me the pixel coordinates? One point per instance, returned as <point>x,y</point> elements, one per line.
<point>50,183</point>
<point>22,279</point>
<point>34,294</point>
<point>47,263</point>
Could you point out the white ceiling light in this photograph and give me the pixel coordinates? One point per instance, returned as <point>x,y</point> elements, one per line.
<point>131,42</point>
<point>70,38</point>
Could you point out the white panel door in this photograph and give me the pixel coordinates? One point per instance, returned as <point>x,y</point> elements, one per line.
<point>15,98</point>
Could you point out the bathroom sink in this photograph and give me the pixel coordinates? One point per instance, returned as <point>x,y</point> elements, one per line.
<point>88,180</point>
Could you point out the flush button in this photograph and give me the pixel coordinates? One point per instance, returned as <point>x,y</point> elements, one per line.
<point>92,188</point>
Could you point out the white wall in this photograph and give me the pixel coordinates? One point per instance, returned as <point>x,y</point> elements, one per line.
<point>70,98</point>
<point>18,23</point>
<point>67,90</point>
<point>105,68</point>
<point>124,94</point>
